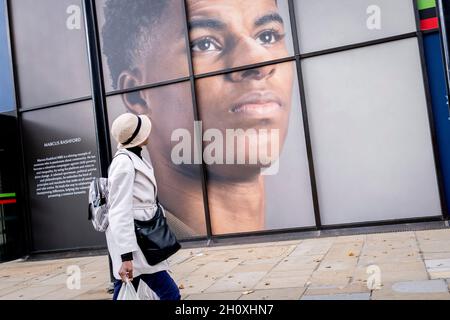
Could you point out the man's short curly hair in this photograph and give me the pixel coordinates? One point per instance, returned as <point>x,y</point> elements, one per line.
<point>127,32</point>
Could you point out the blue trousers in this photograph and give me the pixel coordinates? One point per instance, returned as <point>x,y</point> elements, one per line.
<point>161,283</point>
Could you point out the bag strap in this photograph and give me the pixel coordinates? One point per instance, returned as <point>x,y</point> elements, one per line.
<point>118,154</point>
<point>156,192</point>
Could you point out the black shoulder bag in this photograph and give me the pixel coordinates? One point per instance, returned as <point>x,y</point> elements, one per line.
<point>155,238</point>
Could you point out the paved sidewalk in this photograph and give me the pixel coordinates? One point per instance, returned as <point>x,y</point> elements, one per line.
<point>411,265</point>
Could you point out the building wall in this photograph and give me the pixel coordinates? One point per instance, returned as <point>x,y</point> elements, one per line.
<point>334,92</point>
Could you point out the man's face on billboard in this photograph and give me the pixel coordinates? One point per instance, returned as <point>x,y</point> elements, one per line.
<point>223,34</point>
<point>231,33</point>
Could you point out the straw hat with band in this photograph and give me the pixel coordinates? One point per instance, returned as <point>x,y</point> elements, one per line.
<point>130,130</point>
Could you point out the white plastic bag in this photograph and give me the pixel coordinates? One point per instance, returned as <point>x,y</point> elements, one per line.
<point>127,292</point>
<point>144,292</point>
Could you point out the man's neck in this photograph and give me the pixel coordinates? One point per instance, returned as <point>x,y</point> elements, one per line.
<point>234,206</point>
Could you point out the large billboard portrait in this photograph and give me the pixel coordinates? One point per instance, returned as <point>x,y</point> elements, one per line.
<point>250,134</point>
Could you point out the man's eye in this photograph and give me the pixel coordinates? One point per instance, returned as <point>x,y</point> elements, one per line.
<point>268,37</point>
<point>205,45</point>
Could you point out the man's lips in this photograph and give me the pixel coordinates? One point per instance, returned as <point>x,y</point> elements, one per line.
<point>257,103</point>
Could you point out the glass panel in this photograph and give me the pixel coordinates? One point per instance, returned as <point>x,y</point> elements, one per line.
<point>324,24</point>
<point>61,161</point>
<point>11,225</point>
<point>370,134</point>
<point>179,184</point>
<point>254,147</point>
<point>50,49</point>
<point>143,42</point>
<point>6,83</point>
<point>232,33</point>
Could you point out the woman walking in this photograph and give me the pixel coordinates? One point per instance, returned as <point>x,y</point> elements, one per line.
<point>132,196</point>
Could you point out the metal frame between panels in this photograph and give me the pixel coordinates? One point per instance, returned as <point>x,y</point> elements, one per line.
<point>57,104</point>
<point>358,45</point>
<point>312,174</point>
<point>98,93</point>
<point>97,85</point>
<point>99,96</point>
<point>204,177</point>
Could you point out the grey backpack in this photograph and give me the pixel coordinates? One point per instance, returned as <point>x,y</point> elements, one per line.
<point>98,202</point>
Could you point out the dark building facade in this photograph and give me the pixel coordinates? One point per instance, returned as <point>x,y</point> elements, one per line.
<point>268,116</point>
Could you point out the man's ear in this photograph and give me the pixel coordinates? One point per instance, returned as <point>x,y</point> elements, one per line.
<point>134,101</point>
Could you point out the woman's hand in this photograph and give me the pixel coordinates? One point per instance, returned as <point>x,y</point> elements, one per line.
<point>126,271</point>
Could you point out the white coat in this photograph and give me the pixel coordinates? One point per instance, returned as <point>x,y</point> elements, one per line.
<point>132,190</point>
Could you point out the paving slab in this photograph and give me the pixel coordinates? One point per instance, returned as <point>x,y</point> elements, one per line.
<point>438,264</point>
<point>31,293</point>
<point>397,276</point>
<point>436,234</point>
<point>216,269</point>
<point>255,245</point>
<point>237,282</point>
<point>250,254</point>
<point>274,294</point>
<point>297,263</point>
<point>428,246</point>
<point>309,247</point>
<point>333,290</point>
<point>196,284</point>
<point>66,294</point>
<point>273,281</point>
<point>436,255</point>
<point>338,265</point>
<point>342,296</point>
<point>388,293</point>
<point>350,239</point>
<point>345,249</point>
<point>391,235</point>
<point>438,268</point>
<point>215,296</point>
<point>331,277</point>
<point>5,291</point>
<point>257,267</point>
<point>98,293</point>
<point>184,268</point>
<point>427,286</point>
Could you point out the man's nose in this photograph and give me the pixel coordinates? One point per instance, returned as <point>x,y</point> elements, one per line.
<point>248,52</point>
<point>252,74</point>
